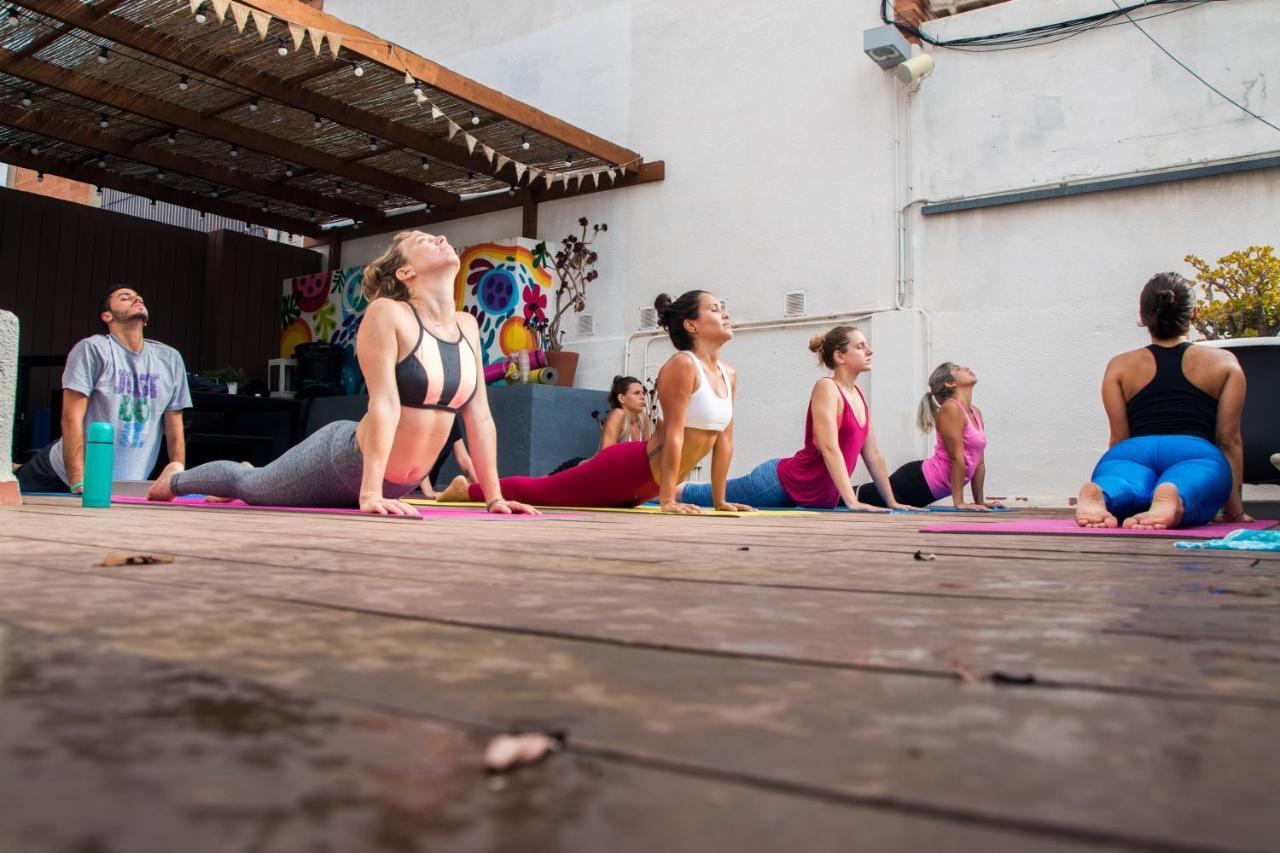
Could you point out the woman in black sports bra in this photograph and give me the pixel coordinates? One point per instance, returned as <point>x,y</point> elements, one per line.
<point>1174,408</point>
<point>421,363</point>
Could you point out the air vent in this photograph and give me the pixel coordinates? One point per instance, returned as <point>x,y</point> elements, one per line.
<point>648,318</point>
<point>796,304</point>
<point>586,325</point>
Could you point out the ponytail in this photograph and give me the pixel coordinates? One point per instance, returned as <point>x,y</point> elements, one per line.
<point>379,280</point>
<point>938,393</point>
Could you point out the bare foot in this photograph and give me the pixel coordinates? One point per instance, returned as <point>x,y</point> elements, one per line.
<point>161,490</point>
<point>458,491</point>
<point>1091,508</point>
<point>1166,510</point>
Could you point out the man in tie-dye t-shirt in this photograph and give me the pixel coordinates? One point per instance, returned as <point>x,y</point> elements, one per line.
<point>137,385</point>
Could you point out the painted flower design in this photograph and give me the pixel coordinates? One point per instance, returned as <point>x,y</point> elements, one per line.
<point>535,304</point>
<point>476,272</point>
<point>323,321</point>
<point>289,310</point>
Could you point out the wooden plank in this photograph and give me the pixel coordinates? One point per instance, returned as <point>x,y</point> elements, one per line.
<point>161,157</point>
<point>241,74</point>
<point>63,243</point>
<point>1106,769</point>
<point>399,60</point>
<point>151,189</point>
<point>275,763</point>
<point>28,276</point>
<point>193,121</point>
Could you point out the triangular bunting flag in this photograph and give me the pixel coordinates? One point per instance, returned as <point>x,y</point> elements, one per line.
<point>520,167</point>
<point>421,99</point>
<point>241,14</point>
<point>577,182</point>
<point>471,142</point>
<point>335,43</point>
<point>613,174</point>
<point>551,178</point>
<point>261,20</point>
<point>595,179</point>
<point>453,129</point>
<point>299,33</point>
<point>503,160</point>
<point>436,112</point>
<point>317,38</point>
<point>195,6</point>
<point>623,170</point>
<point>408,78</point>
<point>220,9</point>
<point>489,153</point>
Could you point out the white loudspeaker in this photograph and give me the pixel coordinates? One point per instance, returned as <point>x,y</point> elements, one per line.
<point>914,69</point>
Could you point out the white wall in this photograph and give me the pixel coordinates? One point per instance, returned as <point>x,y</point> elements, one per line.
<point>779,142</point>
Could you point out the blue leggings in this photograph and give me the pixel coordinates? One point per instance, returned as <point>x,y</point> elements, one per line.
<point>759,488</point>
<point>1129,473</point>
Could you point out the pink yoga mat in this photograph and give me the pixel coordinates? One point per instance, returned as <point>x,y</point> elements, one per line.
<point>425,512</point>
<point>1068,527</point>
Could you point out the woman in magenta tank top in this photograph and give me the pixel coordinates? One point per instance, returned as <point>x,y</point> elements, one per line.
<point>837,430</point>
<point>958,457</point>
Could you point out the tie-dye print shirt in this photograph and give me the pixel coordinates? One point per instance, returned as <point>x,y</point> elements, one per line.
<point>129,390</point>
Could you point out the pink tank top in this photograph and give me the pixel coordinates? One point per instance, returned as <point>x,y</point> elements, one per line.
<point>937,468</point>
<point>805,476</point>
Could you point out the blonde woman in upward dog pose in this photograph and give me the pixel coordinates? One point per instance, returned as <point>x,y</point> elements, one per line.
<point>959,456</point>
<point>420,359</point>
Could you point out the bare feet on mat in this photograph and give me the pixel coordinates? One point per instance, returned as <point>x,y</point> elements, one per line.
<point>1091,508</point>
<point>161,490</point>
<point>1166,510</point>
<point>458,491</point>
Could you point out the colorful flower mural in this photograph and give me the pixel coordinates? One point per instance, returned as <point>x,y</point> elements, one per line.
<point>501,284</point>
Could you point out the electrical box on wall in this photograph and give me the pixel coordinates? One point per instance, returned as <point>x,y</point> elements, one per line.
<point>886,46</point>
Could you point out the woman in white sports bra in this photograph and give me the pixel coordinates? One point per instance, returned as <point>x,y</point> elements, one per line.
<point>695,391</point>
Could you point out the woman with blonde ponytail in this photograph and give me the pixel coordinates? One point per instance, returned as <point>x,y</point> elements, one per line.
<point>421,362</point>
<point>958,457</point>
<point>837,430</point>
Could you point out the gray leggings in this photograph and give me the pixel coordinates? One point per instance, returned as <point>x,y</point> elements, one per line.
<point>324,470</point>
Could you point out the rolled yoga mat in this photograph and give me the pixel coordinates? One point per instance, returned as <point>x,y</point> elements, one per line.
<point>543,376</point>
<point>497,371</point>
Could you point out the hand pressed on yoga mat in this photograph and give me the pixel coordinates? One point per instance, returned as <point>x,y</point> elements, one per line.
<point>378,505</point>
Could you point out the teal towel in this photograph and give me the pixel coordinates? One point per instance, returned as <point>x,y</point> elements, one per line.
<point>1240,540</point>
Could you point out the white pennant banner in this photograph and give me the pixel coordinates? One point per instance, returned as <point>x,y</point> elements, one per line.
<point>534,174</point>
<point>471,142</point>
<point>241,14</point>
<point>408,78</point>
<point>613,174</point>
<point>551,178</point>
<point>520,167</point>
<point>299,34</point>
<point>436,112</point>
<point>502,161</point>
<point>454,127</point>
<point>335,43</point>
<point>195,6</point>
<point>220,9</point>
<point>261,20</point>
<point>489,153</point>
<point>595,179</point>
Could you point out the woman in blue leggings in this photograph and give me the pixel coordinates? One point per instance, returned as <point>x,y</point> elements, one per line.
<point>1174,411</point>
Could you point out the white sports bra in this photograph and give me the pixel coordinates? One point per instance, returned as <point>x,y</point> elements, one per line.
<point>707,410</point>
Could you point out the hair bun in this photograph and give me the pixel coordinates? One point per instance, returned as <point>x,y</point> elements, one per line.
<point>662,305</point>
<point>1166,297</point>
<point>815,343</point>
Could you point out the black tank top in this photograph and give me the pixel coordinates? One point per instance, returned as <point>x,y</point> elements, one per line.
<point>1169,404</point>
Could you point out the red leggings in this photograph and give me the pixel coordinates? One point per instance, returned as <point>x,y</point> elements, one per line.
<point>619,475</point>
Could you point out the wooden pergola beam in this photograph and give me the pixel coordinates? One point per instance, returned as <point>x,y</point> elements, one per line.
<point>648,173</point>
<point>193,121</point>
<point>373,48</point>
<point>79,134</point>
<point>101,177</point>
<point>243,75</point>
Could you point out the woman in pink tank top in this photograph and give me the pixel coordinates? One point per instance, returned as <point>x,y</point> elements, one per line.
<point>958,457</point>
<point>837,430</point>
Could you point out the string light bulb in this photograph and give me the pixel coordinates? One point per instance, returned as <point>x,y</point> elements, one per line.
<point>524,142</point>
<point>183,83</point>
<point>12,20</point>
<point>315,120</point>
<point>40,177</point>
<point>417,90</point>
<point>568,159</point>
<point>98,189</point>
<point>253,104</point>
<point>475,119</point>
<point>338,188</point>
<point>26,97</point>
<point>282,49</point>
<point>288,171</point>
<point>102,120</point>
<point>103,55</point>
<point>153,202</point>
<point>373,143</point>
<point>426,164</point>
<point>35,149</point>
<point>173,136</point>
<point>102,162</point>
<point>201,17</point>
<point>357,69</point>
<point>511,190</point>
<point>160,175</point>
<point>235,151</point>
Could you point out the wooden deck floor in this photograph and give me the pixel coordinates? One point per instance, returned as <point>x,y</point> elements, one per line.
<point>302,682</point>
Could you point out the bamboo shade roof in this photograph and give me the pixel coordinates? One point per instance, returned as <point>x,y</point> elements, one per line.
<point>326,134</point>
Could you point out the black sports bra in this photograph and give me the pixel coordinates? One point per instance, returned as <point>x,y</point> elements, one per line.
<point>437,374</point>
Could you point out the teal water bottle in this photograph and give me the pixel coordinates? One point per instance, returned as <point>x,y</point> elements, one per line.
<point>99,454</point>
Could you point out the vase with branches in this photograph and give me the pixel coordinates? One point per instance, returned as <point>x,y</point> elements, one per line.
<point>575,266</point>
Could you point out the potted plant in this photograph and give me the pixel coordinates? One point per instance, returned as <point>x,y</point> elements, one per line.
<point>232,377</point>
<point>1240,311</point>
<point>575,266</point>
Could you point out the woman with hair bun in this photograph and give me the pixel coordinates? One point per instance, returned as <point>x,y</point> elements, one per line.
<point>1176,454</point>
<point>626,420</point>
<point>421,361</point>
<point>695,390</point>
<point>837,430</point>
<point>959,455</point>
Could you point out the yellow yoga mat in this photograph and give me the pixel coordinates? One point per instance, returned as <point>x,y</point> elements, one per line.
<point>646,510</point>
